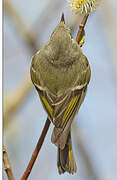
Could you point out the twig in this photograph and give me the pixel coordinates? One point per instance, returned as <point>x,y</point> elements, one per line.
<point>79,143</point>
<point>36,151</point>
<point>7,166</point>
<point>81,28</point>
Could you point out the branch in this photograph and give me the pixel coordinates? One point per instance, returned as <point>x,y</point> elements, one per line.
<point>36,151</point>
<point>81,28</point>
<point>7,167</point>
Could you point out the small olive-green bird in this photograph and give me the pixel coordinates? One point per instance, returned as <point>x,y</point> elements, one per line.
<point>61,72</point>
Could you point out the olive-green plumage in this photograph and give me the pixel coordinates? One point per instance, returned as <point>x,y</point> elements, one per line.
<point>61,73</point>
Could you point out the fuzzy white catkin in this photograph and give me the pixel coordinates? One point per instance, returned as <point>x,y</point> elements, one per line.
<point>83,6</point>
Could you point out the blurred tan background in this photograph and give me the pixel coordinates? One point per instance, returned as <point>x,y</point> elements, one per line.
<point>27,26</point>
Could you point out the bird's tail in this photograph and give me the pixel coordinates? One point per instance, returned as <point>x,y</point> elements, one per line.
<point>66,161</point>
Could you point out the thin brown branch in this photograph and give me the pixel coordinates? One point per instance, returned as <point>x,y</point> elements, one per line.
<point>81,28</point>
<point>36,151</point>
<point>84,154</point>
<point>7,166</point>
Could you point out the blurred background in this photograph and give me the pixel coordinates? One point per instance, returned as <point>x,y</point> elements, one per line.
<point>27,26</point>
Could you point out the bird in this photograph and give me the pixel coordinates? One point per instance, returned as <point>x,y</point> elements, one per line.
<point>61,73</point>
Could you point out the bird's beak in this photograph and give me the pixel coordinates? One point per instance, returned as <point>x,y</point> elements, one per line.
<point>62,18</point>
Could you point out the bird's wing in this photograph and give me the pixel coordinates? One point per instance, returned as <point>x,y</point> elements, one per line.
<point>64,120</point>
<point>61,111</point>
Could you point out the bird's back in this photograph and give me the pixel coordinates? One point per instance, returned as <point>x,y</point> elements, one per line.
<point>64,73</point>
